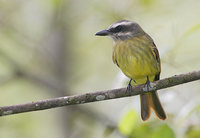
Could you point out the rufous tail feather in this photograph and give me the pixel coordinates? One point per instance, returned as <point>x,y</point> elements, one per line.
<point>151,101</point>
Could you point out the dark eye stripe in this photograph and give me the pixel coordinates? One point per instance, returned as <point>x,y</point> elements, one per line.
<point>117,29</point>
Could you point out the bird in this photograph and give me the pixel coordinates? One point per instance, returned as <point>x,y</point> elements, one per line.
<point>136,54</point>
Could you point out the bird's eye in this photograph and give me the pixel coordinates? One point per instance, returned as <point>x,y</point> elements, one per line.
<point>118,28</point>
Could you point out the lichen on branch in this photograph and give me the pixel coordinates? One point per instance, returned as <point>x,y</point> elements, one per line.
<point>98,96</point>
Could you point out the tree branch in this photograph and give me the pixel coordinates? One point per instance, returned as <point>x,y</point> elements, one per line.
<point>98,96</point>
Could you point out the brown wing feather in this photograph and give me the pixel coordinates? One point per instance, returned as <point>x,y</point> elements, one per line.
<point>156,54</point>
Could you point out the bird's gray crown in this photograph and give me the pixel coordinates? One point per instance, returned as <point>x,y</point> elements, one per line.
<point>124,29</point>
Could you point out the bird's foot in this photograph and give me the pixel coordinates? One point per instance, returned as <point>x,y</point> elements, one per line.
<point>129,87</point>
<point>148,85</point>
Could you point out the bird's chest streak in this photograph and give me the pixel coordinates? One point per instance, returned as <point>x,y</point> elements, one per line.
<point>135,61</point>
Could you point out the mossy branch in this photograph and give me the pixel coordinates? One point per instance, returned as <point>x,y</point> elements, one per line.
<point>98,96</point>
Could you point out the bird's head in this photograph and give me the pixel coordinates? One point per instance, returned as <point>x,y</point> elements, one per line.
<point>122,30</point>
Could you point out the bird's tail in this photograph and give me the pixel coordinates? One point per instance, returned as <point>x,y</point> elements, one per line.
<point>151,101</point>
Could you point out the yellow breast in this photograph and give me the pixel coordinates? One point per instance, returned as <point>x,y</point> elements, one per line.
<point>136,59</point>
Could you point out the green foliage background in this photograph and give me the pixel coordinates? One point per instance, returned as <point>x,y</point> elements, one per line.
<point>48,49</point>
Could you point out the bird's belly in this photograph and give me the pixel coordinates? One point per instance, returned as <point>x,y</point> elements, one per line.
<point>138,71</point>
<point>137,65</point>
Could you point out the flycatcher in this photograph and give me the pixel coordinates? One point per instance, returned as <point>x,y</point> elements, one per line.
<point>136,55</point>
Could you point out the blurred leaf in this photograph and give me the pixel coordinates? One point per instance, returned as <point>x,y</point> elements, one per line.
<point>152,129</point>
<point>191,30</point>
<point>194,110</point>
<point>163,131</point>
<point>56,2</point>
<point>147,2</point>
<point>193,133</point>
<point>142,131</point>
<point>128,123</point>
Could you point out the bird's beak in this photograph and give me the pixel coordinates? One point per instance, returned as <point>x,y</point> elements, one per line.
<point>103,33</point>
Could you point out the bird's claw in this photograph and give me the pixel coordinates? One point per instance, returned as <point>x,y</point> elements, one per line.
<point>148,86</point>
<point>129,87</point>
